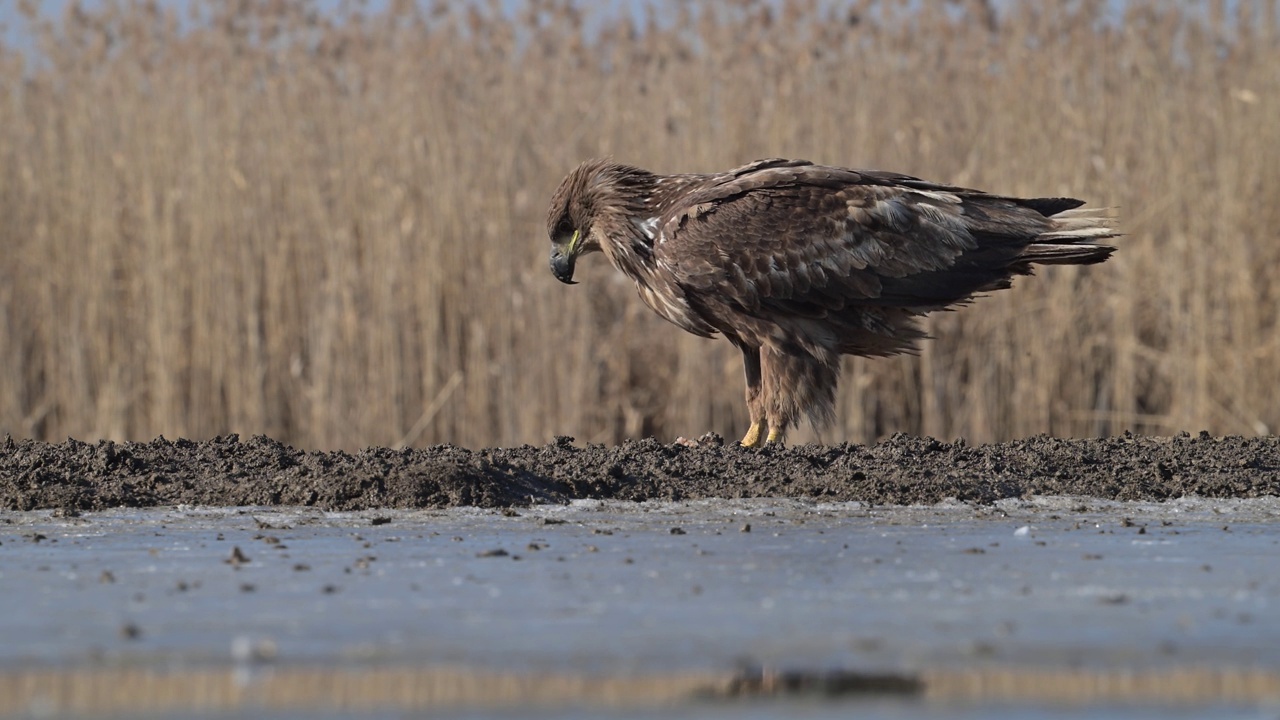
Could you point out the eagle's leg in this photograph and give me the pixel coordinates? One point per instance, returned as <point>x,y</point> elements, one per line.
<point>777,399</point>
<point>777,434</point>
<point>751,368</point>
<point>796,383</point>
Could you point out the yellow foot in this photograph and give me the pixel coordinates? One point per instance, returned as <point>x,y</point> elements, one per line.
<point>752,438</point>
<point>776,436</point>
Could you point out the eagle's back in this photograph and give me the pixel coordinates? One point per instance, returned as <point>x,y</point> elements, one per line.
<point>836,252</point>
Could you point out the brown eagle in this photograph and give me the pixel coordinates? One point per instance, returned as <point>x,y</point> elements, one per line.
<point>797,264</point>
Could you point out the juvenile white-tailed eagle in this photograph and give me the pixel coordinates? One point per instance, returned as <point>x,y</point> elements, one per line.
<point>797,264</point>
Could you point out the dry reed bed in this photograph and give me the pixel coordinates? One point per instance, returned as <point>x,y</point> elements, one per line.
<point>268,220</point>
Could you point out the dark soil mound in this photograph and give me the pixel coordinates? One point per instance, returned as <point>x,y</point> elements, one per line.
<point>902,470</point>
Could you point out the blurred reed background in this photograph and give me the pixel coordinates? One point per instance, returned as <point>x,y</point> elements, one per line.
<point>329,227</point>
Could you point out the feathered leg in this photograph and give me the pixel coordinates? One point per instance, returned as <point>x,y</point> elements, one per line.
<point>751,368</point>
<point>796,384</point>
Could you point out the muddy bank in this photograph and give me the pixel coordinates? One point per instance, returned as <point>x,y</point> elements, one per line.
<point>901,470</point>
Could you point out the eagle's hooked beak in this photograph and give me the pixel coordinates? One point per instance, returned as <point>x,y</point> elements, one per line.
<point>562,266</point>
<point>562,260</point>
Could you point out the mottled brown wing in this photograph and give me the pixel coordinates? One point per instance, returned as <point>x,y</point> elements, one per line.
<point>804,239</point>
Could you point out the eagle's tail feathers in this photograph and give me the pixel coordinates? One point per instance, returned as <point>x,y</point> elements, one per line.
<point>1083,233</point>
<point>1072,239</point>
<point>1065,254</point>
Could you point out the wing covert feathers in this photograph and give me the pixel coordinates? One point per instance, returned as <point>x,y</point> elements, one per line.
<point>791,237</point>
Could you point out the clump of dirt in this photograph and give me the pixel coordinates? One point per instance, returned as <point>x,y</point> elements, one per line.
<point>226,471</point>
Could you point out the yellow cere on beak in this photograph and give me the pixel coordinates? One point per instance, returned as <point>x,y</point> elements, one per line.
<point>573,243</point>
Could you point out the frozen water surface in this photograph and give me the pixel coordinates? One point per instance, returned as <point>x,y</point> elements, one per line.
<point>604,589</point>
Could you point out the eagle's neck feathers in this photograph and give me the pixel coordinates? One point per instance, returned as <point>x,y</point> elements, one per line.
<point>628,213</point>
<point>628,247</point>
<point>629,205</point>
<point>626,219</point>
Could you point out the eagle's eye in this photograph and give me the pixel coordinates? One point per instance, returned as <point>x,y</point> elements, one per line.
<point>564,228</point>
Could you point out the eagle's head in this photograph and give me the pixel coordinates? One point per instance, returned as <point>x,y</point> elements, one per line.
<point>595,206</point>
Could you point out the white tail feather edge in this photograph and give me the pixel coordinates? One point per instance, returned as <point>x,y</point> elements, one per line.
<point>1081,224</point>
